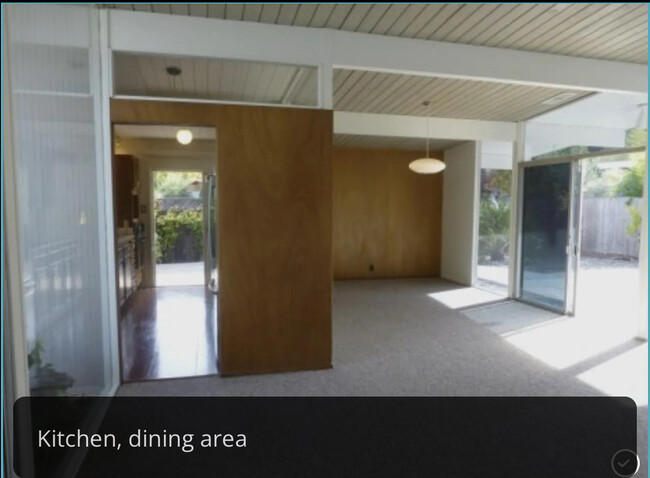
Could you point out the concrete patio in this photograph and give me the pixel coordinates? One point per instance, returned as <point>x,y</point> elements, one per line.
<point>184,273</point>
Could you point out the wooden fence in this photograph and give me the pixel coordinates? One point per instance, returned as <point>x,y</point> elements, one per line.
<point>604,227</point>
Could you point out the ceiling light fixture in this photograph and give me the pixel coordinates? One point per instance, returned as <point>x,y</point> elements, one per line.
<point>184,136</point>
<point>427,165</point>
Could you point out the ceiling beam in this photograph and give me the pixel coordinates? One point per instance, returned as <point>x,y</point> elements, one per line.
<point>145,32</point>
<point>471,62</point>
<point>416,127</point>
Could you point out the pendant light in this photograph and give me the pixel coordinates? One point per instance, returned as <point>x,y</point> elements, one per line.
<point>184,136</point>
<point>427,165</point>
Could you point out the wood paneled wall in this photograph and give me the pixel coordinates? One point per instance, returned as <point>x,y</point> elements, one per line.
<point>386,217</point>
<point>274,203</point>
<point>123,183</point>
<point>275,238</point>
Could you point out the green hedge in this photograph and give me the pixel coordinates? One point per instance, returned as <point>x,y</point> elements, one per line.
<point>171,224</point>
<point>494,224</point>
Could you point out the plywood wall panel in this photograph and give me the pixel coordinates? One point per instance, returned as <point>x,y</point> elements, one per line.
<point>162,112</point>
<point>275,236</point>
<point>123,183</point>
<point>385,216</point>
<point>274,203</point>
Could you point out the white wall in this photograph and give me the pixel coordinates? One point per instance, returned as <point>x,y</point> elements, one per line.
<point>602,110</point>
<point>543,138</point>
<point>598,120</point>
<point>496,155</point>
<point>459,214</point>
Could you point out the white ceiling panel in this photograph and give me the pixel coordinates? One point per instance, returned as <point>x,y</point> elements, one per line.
<point>354,90</point>
<point>390,93</point>
<point>214,79</point>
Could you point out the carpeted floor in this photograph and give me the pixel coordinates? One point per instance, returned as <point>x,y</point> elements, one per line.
<point>397,337</point>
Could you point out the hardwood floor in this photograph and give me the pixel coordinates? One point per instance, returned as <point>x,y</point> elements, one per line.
<point>169,332</point>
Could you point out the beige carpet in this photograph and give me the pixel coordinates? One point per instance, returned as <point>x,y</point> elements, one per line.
<point>397,337</point>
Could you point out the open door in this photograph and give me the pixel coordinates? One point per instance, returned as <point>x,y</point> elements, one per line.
<point>549,232</point>
<point>209,193</point>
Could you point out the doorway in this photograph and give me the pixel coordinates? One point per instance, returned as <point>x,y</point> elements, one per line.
<point>547,234</point>
<point>579,233</point>
<point>167,326</point>
<point>178,226</point>
<point>610,228</point>
<point>493,231</point>
<point>493,209</point>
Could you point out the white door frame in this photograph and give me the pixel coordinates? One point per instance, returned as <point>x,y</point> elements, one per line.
<point>14,323</point>
<point>207,237</point>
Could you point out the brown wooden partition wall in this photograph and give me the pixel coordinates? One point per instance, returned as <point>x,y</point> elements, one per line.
<point>274,217</point>
<point>387,219</point>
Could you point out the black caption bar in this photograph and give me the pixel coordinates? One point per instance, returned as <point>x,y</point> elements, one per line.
<point>322,437</point>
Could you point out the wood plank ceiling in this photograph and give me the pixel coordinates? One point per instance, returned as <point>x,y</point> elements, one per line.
<point>214,79</point>
<point>609,31</point>
<point>602,31</point>
<point>389,93</point>
<point>358,91</point>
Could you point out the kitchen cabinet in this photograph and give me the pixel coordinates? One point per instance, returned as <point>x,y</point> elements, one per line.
<point>125,205</point>
<point>125,189</point>
<point>127,273</point>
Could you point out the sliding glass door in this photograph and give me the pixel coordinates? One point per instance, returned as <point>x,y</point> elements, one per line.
<point>548,232</point>
<point>209,193</point>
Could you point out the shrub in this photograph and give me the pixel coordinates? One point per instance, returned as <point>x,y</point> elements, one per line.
<point>492,247</point>
<point>494,223</point>
<point>173,223</point>
<point>173,184</point>
<point>494,216</point>
<point>633,228</point>
<point>632,183</point>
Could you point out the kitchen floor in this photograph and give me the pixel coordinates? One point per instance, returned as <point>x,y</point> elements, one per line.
<point>169,332</point>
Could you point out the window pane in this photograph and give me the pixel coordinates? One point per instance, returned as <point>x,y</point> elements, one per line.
<point>55,151</point>
<point>544,234</point>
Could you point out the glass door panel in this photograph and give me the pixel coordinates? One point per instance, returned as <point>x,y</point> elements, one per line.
<point>211,232</point>
<point>546,236</point>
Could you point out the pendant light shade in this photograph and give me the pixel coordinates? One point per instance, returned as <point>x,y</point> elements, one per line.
<point>184,136</point>
<point>427,165</point>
